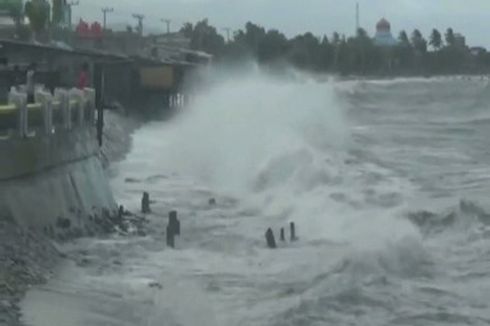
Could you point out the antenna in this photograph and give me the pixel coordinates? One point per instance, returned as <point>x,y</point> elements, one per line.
<point>357,17</point>
<point>168,22</point>
<point>140,19</point>
<point>104,12</point>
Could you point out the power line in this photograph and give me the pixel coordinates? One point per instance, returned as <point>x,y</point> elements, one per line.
<point>123,15</point>
<point>105,11</point>
<point>168,22</point>
<point>140,19</point>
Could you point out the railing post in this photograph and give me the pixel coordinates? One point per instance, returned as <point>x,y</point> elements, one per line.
<point>99,85</point>
<point>20,101</point>
<point>77,95</point>
<point>67,111</point>
<point>90,97</point>
<point>62,96</point>
<point>172,100</point>
<point>47,108</point>
<point>23,115</point>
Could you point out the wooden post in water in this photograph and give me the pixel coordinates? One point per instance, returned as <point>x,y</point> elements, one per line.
<point>283,237</point>
<point>170,237</point>
<point>269,238</point>
<point>20,102</point>
<point>173,222</point>
<point>145,203</point>
<point>99,99</point>
<point>293,231</point>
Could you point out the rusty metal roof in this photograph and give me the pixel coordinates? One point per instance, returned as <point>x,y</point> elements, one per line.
<point>97,54</point>
<point>62,49</point>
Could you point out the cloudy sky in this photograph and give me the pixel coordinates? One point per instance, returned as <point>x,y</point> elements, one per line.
<point>470,17</point>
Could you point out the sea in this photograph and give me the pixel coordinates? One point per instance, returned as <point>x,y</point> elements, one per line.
<point>387,182</point>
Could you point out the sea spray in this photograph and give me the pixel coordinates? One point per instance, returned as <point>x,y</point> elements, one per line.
<point>405,146</point>
<point>283,149</point>
<point>280,145</point>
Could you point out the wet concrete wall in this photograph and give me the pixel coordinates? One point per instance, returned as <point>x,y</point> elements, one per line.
<point>49,178</point>
<point>26,156</point>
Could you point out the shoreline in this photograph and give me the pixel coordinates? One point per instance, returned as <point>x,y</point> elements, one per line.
<point>26,258</point>
<point>29,258</point>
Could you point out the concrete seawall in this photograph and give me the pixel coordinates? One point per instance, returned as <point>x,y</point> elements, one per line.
<point>27,156</point>
<point>57,176</point>
<point>52,187</point>
<point>74,190</point>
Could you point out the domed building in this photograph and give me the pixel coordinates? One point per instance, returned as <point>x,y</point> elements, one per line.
<point>383,36</point>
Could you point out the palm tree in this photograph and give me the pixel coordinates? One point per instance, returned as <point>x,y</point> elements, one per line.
<point>403,38</point>
<point>335,38</point>
<point>38,13</point>
<point>57,11</point>
<point>187,29</point>
<point>361,33</point>
<point>14,10</point>
<point>435,39</point>
<point>450,39</point>
<point>418,42</point>
<point>363,45</point>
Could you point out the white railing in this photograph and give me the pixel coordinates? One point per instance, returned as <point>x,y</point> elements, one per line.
<point>65,110</point>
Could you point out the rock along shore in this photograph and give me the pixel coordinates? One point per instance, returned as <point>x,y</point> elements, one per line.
<point>29,258</point>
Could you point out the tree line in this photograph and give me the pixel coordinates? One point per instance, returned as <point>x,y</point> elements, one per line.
<point>413,54</point>
<point>37,11</point>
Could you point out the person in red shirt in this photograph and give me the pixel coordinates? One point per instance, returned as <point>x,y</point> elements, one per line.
<point>83,81</point>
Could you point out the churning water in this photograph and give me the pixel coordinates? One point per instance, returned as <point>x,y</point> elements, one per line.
<point>387,182</point>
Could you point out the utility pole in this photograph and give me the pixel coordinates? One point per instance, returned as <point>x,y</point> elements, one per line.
<point>140,19</point>
<point>357,17</point>
<point>227,31</point>
<point>168,22</point>
<point>105,11</point>
<point>70,5</point>
<point>363,52</point>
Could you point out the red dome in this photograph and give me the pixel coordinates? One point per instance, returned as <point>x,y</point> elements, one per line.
<point>383,24</point>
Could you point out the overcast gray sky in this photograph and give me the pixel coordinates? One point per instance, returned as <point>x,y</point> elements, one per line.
<point>470,17</point>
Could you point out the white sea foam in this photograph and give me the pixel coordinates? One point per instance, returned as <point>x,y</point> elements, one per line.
<point>273,150</point>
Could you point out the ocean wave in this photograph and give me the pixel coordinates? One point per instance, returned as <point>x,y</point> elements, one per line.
<point>466,214</point>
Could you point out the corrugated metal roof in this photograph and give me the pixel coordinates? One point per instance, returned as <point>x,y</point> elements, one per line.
<point>66,49</point>
<point>62,47</point>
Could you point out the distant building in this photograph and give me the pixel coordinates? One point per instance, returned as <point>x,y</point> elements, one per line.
<point>86,31</point>
<point>6,22</point>
<point>383,36</point>
<point>174,46</point>
<point>170,40</point>
<point>459,40</point>
<point>478,50</point>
